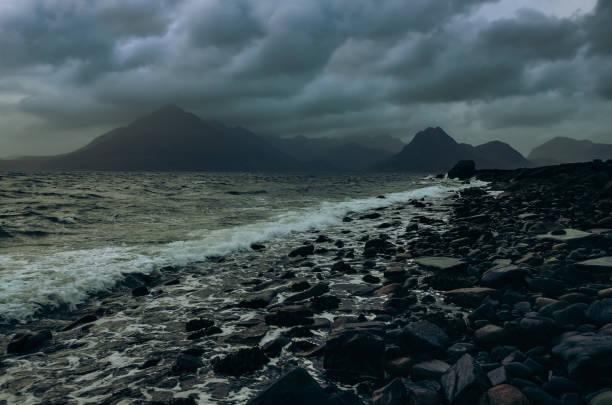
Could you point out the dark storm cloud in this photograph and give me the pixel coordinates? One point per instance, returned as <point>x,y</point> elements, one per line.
<point>316,67</point>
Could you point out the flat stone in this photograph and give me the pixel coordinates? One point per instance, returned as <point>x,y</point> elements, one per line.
<point>290,315</point>
<point>429,370</point>
<point>502,275</point>
<point>599,264</point>
<point>569,236</point>
<point>490,335</point>
<point>441,263</point>
<point>470,297</point>
<point>314,291</point>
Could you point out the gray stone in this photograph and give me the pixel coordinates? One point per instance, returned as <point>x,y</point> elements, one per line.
<point>586,356</point>
<point>599,264</point>
<point>429,370</point>
<point>464,382</point>
<point>502,275</point>
<point>447,264</point>
<point>600,311</point>
<point>424,336</point>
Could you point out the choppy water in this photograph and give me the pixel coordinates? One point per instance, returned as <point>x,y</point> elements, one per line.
<point>77,234</point>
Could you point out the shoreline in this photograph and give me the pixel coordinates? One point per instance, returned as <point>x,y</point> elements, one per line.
<point>463,300</point>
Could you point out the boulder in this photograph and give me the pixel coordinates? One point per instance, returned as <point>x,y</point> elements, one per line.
<point>28,342</point>
<point>586,356</point>
<point>259,300</point>
<point>241,362</point>
<point>429,370</point>
<point>296,387</point>
<point>464,382</point>
<point>463,170</point>
<point>314,291</point>
<point>391,394</point>
<point>289,315</point>
<point>304,251</point>
<point>186,363</point>
<point>354,355</point>
<point>503,275</point>
<point>424,336</point>
<point>599,264</point>
<point>600,311</point>
<point>470,297</point>
<point>504,394</point>
<point>445,264</point>
<point>490,335</point>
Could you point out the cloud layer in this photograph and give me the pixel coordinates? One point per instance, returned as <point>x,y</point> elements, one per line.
<point>72,69</point>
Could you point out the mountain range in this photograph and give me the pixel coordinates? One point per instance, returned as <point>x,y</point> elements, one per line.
<point>171,139</point>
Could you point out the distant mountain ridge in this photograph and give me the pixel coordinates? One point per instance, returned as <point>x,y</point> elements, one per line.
<point>569,150</point>
<point>171,139</point>
<point>434,150</point>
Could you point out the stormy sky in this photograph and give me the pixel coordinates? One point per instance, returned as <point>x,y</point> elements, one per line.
<point>521,71</point>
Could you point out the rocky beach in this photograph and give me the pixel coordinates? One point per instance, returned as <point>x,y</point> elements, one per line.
<point>496,293</point>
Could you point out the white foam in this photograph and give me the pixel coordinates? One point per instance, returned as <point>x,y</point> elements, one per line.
<point>69,277</point>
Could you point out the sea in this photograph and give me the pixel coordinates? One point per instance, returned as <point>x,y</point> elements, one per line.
<point>65,237</point>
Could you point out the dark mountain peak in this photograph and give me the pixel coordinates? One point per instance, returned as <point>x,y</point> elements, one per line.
<point>432,136</point>
<point>169,115</point>
<point>568,150</point>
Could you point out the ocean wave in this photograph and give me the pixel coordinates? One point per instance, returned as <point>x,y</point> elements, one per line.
<point>68,278</point>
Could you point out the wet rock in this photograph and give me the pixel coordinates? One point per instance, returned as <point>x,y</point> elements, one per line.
<point>314,291</point>
<point>490,335</point>
<point>572,314</point>
<point>444,264</point>
<point>140,291</point>
<point>401,366</point>
<point>463,170</point>
<point>373,215</point>
<point>197,324</point>
<point>289,315</point>
<point>470,297</point>
<point>391,394</point>
<point>243,361</point>
<point>424,335</point>
<point>378,246</point>
<point>600,312</point>
<point>602,398</point>
<point>354,355</point>
<point>325,303</point>
<point>533,330</point>
<point>296,388</point>
<point>260,300</point>
<point>28,342</point>
<point>213,330</point>
<point>248,336</point>
<point>274,347</point>
<point>560,385</point>
<point>503,275</point>
<point>369,278</point>
<point>570,236</point>
<point>257,246</point>
<point>186,363</point>
<point>539,396</point>
<point>464,382</point>
<point>586,356</point>
<point>498,376</point>
<point>81,321</point>
<point>429,370</point>
<point>304,251</point>
<point>504,395</point>
<point>152,362</point>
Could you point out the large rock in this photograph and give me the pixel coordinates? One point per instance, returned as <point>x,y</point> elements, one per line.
<point>464,382</point>
<point>504,395</point>
<point>424,336</point>
<point>567,235</point>
<point>353,355</point>
<point>600,311</point>
<point>296,388</point>
<point>289,315</point>
<point>241,362</point>
<point>28,342</point>
<point>429,370</point>
<point>490,335</point>
<point>304,251</point>
<point>463,170</point>
<point>503,275</point>
<point>587,356</point>
<point>441,263</point>
<point>391,394</point>
<point>599,264</point>
<point>186,363</point>
<point>259,300</point>
<point>470,297</point>
<point>314,291</point>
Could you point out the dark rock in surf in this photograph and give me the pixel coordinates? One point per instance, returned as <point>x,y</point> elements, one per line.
<point>81,321</point>
<point>463,170</point>
<point>314,291</point>
<point>28,342</point>
<point>304,251</point>
<point>289,315</point>
<point>186,363</point>
<point>296,388</point>
<point>197,324</point>
<point>140,291</point>
<point>243,361</point>
<point>354,355</point>
<point>424,336</point>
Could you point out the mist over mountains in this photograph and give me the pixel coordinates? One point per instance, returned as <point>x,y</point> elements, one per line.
<point>170,139</point>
